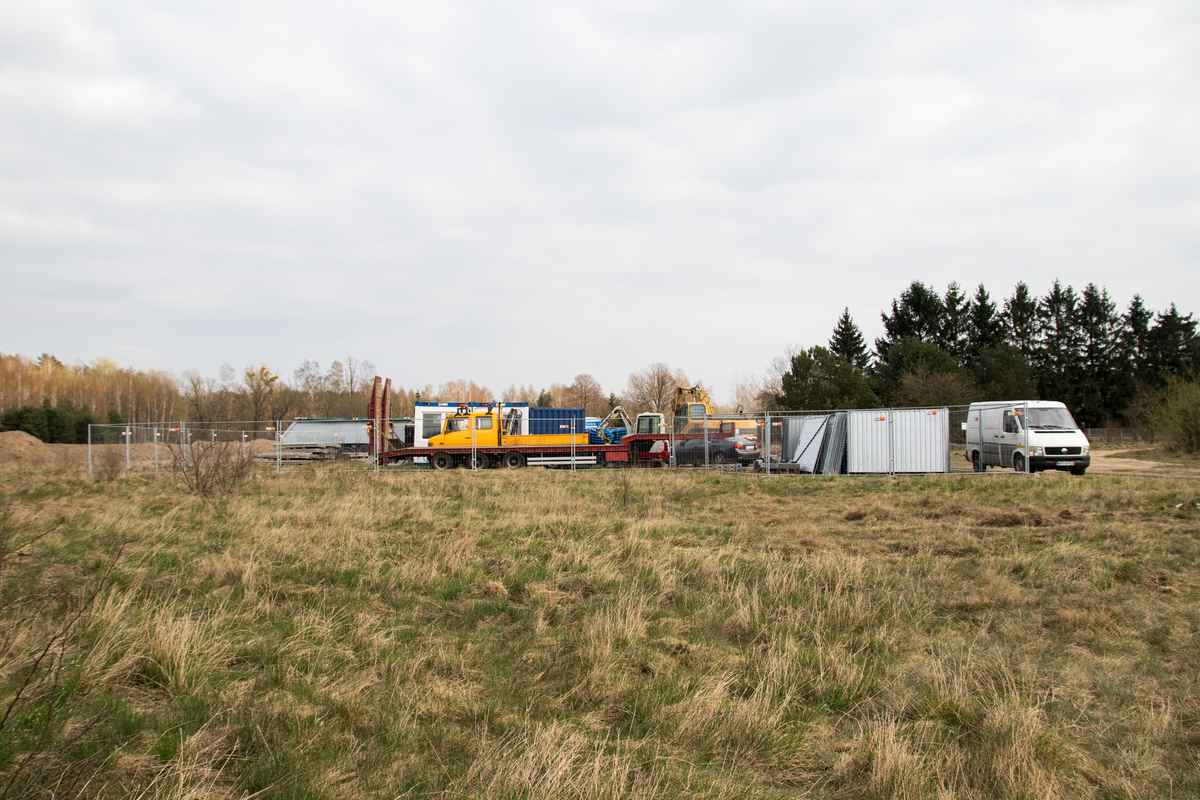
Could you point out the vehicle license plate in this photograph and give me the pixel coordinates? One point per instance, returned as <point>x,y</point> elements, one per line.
<point>1065,463</point>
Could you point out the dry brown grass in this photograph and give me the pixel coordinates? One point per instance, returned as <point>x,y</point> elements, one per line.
<point>656,634</point>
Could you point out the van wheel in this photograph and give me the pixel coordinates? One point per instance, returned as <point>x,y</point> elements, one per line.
<point>976,461</point>
<point>1019,462</point>
<point>441,461</point>
<point>513,460</point>
<point>1079,471</point>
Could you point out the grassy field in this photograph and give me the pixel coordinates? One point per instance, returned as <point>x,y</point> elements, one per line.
<point>602,635</point>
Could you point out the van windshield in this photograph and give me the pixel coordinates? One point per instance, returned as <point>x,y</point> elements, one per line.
<point>1050,419</point>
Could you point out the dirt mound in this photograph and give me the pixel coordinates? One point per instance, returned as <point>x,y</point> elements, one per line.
<point>19,448</point>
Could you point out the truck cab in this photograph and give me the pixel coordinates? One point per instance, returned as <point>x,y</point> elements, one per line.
<point>481,428</point>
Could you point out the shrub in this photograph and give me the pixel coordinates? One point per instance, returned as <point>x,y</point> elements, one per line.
<point>212,468</point>
<point>110,463</point>
<point>1178,416</point>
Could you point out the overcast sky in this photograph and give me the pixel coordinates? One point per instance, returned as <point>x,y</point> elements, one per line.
<point>521,192</point>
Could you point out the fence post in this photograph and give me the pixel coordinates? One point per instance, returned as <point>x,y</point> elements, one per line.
<point>1025,427</point>
<point>767,436</point>
<point>89,448</point>
<point>891,426</point>
<point>128,436</point>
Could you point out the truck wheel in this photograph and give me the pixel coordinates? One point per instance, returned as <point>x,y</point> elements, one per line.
<point>479,461</point>
<point>441,461</point>
<point>513,460</point>
<point>1019,462</point>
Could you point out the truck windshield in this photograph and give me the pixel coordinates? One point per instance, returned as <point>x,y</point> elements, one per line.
<point>1050,419</point>
<point>457,424</point>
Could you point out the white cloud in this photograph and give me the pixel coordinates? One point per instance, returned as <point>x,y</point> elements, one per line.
<point>588,187</point>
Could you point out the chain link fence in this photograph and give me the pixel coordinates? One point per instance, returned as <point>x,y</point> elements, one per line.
<point>883,441</point>
<point>157,446</point>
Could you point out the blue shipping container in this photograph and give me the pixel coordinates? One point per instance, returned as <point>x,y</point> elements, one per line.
<point>544,421</point>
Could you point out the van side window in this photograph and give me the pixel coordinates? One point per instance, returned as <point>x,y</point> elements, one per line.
<point>1010,423</point>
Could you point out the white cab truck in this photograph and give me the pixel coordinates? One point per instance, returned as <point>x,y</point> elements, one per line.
<point>1026,434</point>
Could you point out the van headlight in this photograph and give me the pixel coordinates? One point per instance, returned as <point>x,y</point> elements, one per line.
<point>1086,450</point>
<point>1035,450</point>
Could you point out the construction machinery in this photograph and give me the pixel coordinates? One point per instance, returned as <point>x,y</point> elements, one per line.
<point>512,435</point>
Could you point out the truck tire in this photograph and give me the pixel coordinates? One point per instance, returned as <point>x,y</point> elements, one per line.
<point>513,460</point>
<point>441,461</point>
<point>479,461</point>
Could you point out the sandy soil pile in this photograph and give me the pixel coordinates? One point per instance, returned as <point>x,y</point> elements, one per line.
<point>19,448</point>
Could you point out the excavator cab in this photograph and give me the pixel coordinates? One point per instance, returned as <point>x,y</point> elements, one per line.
<point>692,405</point>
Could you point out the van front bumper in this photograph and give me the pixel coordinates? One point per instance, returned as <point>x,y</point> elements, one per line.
<point>1041,463</point>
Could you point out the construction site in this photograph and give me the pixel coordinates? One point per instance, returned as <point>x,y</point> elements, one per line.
<point>480,436</point>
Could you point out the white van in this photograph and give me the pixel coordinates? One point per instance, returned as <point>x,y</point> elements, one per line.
<point>1008,433</point>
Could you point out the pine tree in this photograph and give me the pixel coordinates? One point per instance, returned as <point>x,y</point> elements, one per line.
<point>1174,345</point>
<point>984,329</point>
<point>1021,321</point>
<point>1136,350</point>
<point>1104,388</point>
<point>1058,357</point>
<point>954,322</point>
<point>848,341</point>
<point>918,314</point>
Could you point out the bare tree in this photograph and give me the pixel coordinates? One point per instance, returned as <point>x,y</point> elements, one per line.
<point>310,383</point>
<point>653,388</point>
<point>198,391</point>
<point>335,379</point>
<point>586,393</point>
<point>919,387</point>
<point>260,386</point>
<point>780,365</point>
<point>745,390</point>
<point>463,391</point>
<point>359,374</point>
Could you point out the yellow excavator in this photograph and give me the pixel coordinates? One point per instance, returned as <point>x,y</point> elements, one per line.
<point>693,407</point>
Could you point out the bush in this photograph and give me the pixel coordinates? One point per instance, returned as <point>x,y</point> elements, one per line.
<point>212,468</point>
<point>1178,416</point>
<point>110,463</point>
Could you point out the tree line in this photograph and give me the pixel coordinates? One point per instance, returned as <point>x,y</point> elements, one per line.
<point>936,349</point>
<point>1107,365</point>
